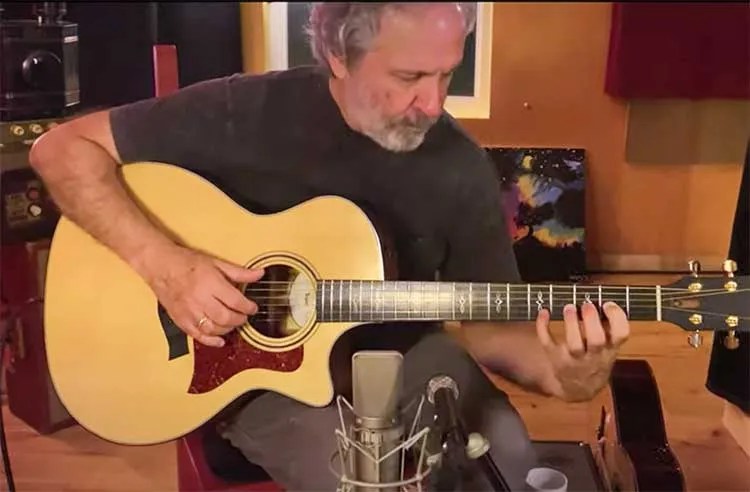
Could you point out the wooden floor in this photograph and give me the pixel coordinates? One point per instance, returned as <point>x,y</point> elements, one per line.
<point>73,460</point>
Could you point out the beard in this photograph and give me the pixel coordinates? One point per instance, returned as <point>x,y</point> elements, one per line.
<point>399,134</point>
<point>394,133</point>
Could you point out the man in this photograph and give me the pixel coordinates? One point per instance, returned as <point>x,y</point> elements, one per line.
<point>368,125</point>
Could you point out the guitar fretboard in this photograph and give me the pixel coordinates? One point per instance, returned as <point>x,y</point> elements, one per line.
<point>375,300</point>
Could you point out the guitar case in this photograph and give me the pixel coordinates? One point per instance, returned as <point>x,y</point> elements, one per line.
<point>628,437</point>
<point>729,370</point>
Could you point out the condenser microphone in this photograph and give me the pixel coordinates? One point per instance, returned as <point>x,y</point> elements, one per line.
<point>377,388</point>
<point>442,392</point>
<point>459,447</point>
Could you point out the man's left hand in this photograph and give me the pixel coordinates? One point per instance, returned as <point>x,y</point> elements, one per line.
<point>582,363</point>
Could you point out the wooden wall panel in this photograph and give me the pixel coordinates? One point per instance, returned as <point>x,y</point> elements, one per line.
<point>548,66</point>
<point>549,62</point>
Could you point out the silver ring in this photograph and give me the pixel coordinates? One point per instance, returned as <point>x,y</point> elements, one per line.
<point>202,321</point>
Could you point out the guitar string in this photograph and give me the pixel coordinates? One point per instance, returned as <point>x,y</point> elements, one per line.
<point>519,314</point>
<point>480,305</point>
<point>515,296</point>
<point>400,283</point>
<point>583,290</point>
<point>635,299</point>
<point>524,290</point>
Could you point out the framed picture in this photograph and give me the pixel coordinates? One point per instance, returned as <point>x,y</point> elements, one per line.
<point>543,193</point>
<point>285,45</point>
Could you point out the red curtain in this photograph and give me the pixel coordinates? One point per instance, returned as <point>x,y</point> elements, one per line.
<point>679,50</point>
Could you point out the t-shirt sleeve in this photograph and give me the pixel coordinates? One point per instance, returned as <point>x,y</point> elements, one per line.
<point>479,241</point>
<point>190,128</point>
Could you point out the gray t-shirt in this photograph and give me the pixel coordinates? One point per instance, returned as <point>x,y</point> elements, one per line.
<point>272,141</point>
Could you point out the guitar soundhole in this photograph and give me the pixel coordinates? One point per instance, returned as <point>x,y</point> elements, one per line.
<point>286,301</point>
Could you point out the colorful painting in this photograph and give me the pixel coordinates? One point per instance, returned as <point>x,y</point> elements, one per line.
<point>543,193</point>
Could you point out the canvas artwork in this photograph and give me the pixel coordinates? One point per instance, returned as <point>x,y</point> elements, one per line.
<point>543,199</point>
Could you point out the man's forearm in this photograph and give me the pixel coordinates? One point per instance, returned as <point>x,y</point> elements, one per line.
<point>516,352</point>
<point>513,351</point>
<point>81,177</point>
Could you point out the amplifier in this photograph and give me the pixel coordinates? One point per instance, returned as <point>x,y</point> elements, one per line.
<point>28,220</point>
<point>28,212</point>
<point>31,395</point>
<point>39,70</point>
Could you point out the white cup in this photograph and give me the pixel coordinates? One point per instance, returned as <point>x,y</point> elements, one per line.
<point>546,480</point>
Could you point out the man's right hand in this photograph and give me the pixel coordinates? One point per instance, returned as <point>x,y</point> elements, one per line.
<point>200,293</point>
<point>78,163</point>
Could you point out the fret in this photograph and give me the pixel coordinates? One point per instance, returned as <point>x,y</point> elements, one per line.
<point>419,306</point>
<point>439,303</point>
<point>355,310</point>
<point>421,301</point>
<point>322,298</point>
<point>471,303</point>
<point>658,303</point>
<point>428,310</point>
<point>395,312</point>
<point>453,302</point>
<point>330,300</point>
<point>360,300</point>
<point>551,304</point>
<point>379,300</point>
<point>342,306</point>
<point>488,302</point>
<point>389,301</point>
<point>374,306</point>
<point>627,300</point>
<point>403,293</point>
<point>528,301</point>
<point>409,300</point>
<point>507,301</point>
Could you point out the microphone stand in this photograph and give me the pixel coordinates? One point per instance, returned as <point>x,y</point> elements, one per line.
<point>454,439</point>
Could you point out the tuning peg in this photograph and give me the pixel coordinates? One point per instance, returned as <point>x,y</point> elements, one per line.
<point>729,267</point>
<point>695,267</point>
<point>695,339</point>
<point>731,341</point>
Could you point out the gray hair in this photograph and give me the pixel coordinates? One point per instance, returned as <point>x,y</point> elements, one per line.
<point>346,29</point>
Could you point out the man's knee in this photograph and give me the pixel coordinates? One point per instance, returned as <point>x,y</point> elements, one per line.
<point>442,354</point>
<point>484,407</point>
<point>293,442</point>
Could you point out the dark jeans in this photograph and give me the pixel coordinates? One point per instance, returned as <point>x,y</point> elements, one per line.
<point>294,442</point>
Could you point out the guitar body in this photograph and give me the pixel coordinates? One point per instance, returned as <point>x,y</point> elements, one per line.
<point>630,444</point>
<point>128,375</point>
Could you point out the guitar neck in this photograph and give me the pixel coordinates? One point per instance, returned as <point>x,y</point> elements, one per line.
<point>376,300</point>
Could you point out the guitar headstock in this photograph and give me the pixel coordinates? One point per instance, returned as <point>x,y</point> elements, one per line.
<point>709,303</point>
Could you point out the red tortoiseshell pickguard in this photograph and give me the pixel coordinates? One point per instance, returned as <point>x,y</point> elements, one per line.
<point>215,365</point>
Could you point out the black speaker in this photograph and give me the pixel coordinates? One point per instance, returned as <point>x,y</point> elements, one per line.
<point>39,69</point>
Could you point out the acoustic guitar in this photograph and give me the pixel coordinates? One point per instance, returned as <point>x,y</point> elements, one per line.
<point>126,373</point>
